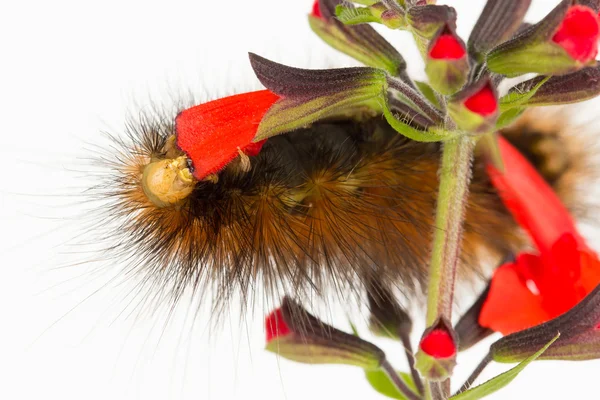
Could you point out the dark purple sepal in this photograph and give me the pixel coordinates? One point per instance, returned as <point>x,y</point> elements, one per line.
<point>468,329</point>
<point>564,89</point>
<point>498,21</point>
<point>593,4</point>
<point>427,20</point>
<point>579,330</point>
<point>388,318</point>
<point>311,95</point>
<point>306,339</point>
<point>406,113</point>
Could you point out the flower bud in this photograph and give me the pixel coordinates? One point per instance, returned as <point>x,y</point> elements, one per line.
<point>447,64</point>
<point>361,42</point>
<point>436,357</point>
<point>563,42</point>
<point>427,20</point>
<point>295,334</point>
<point>475,108</point>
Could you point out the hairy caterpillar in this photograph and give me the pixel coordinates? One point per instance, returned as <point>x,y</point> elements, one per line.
<point>161,280</point>
<point>326,207</point>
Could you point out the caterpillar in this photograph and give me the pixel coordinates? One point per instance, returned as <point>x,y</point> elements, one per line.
<point>318,210</point>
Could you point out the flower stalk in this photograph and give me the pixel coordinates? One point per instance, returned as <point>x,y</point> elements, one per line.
<point>455,175</point>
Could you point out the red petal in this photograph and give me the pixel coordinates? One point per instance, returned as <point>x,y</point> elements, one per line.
<point>254,148</point>
<point>531,200</point>
<point>275,326</point>
<point>316,10</point>
<point>510,305</point>
<point>578,33</point>
<point>447,47</point>
<point>590,271</point>
<point>439,344</point>
<point>484,102</point>
<point>211,133</point>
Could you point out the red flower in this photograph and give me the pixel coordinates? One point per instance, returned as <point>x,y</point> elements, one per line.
<point>213,133</point>
<point>578,33</point>
<point>447,47</point>
<point>316,10</point>
<point>483,102</point>
<point>537,287</point>
<point>275,325</point>
<point>438,344</point>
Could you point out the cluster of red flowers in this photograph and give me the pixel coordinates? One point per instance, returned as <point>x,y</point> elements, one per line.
<point>538,286</point>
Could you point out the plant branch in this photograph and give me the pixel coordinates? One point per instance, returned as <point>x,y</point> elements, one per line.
<point>398,382</point>
<point>475,374</point>
<point>411,361</point>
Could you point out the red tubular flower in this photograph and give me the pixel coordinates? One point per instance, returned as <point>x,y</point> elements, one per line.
<point>579,33</point>
<point>213,133</point>
<point>537,287</point>
<point>447,47</point>
<point>483,102</point>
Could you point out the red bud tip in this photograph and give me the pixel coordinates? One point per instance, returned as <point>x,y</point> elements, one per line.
<point>579,33</point>
<point>211,134</point>
<point>275,326</point>
<point>438,344</point>
<point>316,10</point>
<point>447,47</point>
<point>483,102</point>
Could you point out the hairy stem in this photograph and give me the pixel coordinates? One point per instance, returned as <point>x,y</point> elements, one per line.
<point>455,176</point>
<point>411,362</point>
<point>484,363</point>
<point>398,382</point>
<point>413,96</point>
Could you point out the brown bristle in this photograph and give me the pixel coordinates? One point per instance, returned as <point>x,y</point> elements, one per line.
<point>327,207</point>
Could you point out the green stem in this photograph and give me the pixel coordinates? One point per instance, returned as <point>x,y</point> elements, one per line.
<point>455,176</point>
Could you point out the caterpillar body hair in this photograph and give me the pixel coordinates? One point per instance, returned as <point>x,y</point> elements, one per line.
<point>319,210</point>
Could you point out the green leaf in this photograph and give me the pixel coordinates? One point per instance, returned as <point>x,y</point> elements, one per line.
<point>516,99</point>
<point>353,328</point>
<point>508,117</point>
<point>489,144</point>
<point>402,127</point>
<point>365,2</point>
<point>382,383</point>
<point>498,382</point>
<point>428,92</point>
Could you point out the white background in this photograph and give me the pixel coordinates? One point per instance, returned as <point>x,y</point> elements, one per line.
<point>71,69</point>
